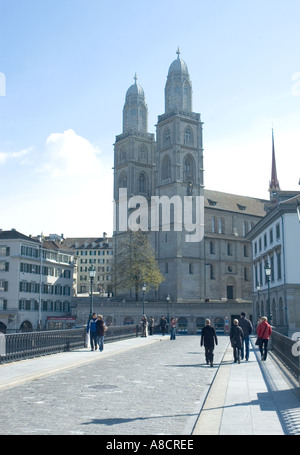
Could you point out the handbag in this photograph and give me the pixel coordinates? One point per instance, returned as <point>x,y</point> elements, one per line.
<point>259,340</point>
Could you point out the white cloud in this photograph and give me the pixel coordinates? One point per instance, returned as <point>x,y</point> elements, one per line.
<point>4,157</point>
<point>68,154</point>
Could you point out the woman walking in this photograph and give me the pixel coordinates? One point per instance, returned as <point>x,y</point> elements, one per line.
<point>101,328</point>
<point>236,338</point>
<point>173,329</point>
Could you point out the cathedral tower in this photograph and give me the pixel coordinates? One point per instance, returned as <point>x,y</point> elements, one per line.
<point>179,172</point>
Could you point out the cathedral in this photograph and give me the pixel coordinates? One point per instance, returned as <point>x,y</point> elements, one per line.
<point>198,235</point>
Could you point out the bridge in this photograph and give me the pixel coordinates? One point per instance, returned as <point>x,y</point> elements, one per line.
<point>148,386</point>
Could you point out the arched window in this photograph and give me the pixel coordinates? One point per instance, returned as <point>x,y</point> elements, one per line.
<point>221,227</point>
<point>188,136</point>
<point>167,137</point>
<point>122,155</point>
<point>123,180</point>
<point>189,169</point>
<point>166,168</point>
<point>143,155</point>
<point>142,183</point>
<point>213,225</point>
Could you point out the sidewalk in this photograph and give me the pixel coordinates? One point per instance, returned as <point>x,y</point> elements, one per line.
<point>250,398</point>
<point>17,373</point>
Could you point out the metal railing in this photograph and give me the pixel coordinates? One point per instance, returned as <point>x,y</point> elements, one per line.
<point>282,347</point>
<point>21,346</point>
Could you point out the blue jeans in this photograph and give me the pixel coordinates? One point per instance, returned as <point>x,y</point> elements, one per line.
<point>100,341</point>
<point>173,333</point>
<point>93,340</point>
<point>246,343</point>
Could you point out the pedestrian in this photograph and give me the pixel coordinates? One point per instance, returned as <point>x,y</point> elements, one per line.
<point>144,325</point>
<point>264,331</point>
<point>173,323</point>
<point>209,339</point>
<point>101,328</point>
<point>236,338</point>
<point>163,325</point>
<point>151,325</point>
<point>247,327</point>
<point>92,330</point>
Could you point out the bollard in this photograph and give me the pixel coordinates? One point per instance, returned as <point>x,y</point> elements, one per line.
<point>2,346</point>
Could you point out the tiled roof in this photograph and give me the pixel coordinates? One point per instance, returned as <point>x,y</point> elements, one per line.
<point>86,242</point>
<point>15,235</point>
<point>234,203</point>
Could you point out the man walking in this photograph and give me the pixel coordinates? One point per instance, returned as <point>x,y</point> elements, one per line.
<point>209,339</point>
<point>92,330</point>
<point>247,328</point>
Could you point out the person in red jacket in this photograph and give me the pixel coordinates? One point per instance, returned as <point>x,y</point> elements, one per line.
<point>264,331</point>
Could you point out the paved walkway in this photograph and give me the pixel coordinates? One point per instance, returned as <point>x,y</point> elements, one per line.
<point>147,386</point>
<point>250,398</point>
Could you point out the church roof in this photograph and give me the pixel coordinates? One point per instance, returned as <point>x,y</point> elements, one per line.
<point>234,203</point>
<point>178,66</point>
<point>135,90</point>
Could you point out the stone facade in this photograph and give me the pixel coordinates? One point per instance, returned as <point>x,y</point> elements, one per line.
<point>191,316</point>
<point>218,266</point>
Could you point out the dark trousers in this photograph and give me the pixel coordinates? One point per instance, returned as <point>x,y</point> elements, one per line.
<point>236,353</point>
<point>209,354</point>
<point>264,349</point>
<point>93,339</point>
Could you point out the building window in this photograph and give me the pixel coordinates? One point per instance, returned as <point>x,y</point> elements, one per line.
<point>277,231</point>
<point>191,268</point>
<point>188,136</point>
<point>166,168</point>
<point>221,226</point>
<point>142,183</point>
<point>167,137</point>
<point>279,274</point>
<point>213,225</point>
<point>229,249</point>
<point>212,247</point>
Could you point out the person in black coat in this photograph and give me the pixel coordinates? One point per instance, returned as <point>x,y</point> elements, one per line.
<point>209,339</point>
<point>100,325</point>
<point>236,338</point>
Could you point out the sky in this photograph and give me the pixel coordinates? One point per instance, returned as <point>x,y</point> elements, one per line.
<point>65,67</point>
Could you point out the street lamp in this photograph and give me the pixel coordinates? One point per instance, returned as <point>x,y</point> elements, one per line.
<point>168,301</point>
<point>268,272</point>
<point>92,273</point>
<point>144,291</point>
<point>258,288</point>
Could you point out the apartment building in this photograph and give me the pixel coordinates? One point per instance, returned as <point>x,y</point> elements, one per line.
<point>36,283</point>
<point>276,247</point>
<point>96,252</point>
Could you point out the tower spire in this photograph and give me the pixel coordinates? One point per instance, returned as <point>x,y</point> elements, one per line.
<point>274,183</point>
<point>274,186</point>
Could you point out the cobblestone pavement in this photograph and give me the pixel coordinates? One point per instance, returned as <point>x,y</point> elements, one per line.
<point>150,390</point>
